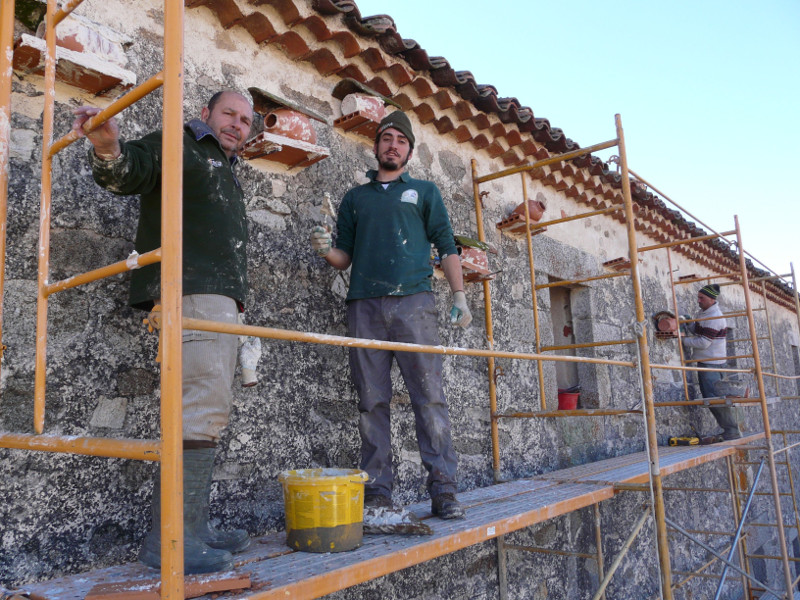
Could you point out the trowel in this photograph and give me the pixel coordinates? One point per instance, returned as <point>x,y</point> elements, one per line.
<point>394,521</point>
<point>328,212</point>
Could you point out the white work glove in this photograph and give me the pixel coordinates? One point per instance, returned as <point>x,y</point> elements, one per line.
<point>249,355</point>
<point>321,240</point>
<point>460,314</point>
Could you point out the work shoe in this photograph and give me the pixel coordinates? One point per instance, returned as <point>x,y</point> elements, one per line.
<point>731,435</point>
<point>445,506</point>
<point>375,500</point>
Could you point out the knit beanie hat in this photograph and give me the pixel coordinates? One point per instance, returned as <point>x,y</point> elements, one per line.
<point>396,120</point>
<point>711,290</point>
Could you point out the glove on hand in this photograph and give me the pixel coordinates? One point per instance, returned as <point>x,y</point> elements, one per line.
<point>321,240</point>
<point>460,314</point>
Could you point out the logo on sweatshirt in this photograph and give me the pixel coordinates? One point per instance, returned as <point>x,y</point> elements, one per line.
<point>214,163</point>
<point>409,196</point>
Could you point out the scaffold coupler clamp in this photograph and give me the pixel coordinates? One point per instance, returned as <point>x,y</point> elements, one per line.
<point>132,262</point>
<point>638,328</point>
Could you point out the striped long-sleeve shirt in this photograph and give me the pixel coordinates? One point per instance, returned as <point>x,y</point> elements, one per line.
<point>707,338</point>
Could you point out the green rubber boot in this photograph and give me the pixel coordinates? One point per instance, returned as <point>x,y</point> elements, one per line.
<point>198,557</point>
<point>235,540</point>
<point>726,418</point>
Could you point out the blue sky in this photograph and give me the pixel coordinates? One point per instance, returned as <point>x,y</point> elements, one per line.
<point>708,91</point>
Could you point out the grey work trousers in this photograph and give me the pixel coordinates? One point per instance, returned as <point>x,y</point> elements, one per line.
<point>725,415</point>
<point>400,319</point>
<point>209,362</point>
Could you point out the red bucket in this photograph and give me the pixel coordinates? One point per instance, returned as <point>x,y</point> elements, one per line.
<point>567,400</point>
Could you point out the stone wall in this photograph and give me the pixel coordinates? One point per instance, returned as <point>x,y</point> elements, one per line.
<point>63,514</point>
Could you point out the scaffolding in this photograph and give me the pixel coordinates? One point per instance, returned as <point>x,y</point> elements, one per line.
<point>545,497</point>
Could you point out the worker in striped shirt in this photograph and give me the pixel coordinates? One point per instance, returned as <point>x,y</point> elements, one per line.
<point>707,340</point>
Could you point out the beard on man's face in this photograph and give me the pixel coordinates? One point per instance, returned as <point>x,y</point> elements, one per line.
<point>391,164</point>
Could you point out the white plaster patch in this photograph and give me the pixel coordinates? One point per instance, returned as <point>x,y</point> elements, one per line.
<point>72,64</point>
<point>278,188</point>
<point>110,413</point>
<point>84,35</point>
<point>278,207</point>
<point>23,143</point>
<point>26,105</point>
<point>268,219</point>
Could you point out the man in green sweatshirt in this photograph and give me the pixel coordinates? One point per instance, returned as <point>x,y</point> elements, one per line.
<point>214,288</point>
<point>385,229</point>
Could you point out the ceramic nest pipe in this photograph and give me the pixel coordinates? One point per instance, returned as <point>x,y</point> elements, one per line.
<point>368,106</point>
<point>291,124</point>
<point>536,209</point>
<point>666,321</point>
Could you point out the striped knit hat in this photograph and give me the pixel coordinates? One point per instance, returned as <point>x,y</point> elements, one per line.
<point>711,290</point>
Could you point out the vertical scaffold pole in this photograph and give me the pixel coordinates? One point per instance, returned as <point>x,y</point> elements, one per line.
<point>44,218</point>
<point>172,584</point>
<point>534,299</point>
<point>487,305</point>
<point>677,316</point>
<point>773,475</point>
<point>774,368</point>
<point>6,55</point>
<point>796,310</point>
<point>662,541</point>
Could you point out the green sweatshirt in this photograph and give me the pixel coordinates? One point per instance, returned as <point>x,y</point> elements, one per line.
<point>214,218</point>
<point>388,235</point>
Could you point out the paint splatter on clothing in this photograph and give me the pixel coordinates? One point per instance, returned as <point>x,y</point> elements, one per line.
<point>214,217</point>
<point>388,232</point>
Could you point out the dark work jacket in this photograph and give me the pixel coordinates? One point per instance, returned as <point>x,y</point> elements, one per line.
<point>214,218</point>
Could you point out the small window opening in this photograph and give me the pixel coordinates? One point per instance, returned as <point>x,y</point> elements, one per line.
<point>563,334</point>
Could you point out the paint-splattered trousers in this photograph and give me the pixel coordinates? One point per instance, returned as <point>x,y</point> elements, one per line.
<point>725,415</point>
<point>410,319</point>
<point>209,362</point>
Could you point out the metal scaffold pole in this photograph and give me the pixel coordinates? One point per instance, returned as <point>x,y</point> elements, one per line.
<point>172,533</point>
<point>6,46</point>
<point>662,541</point>
<point>773,475</point>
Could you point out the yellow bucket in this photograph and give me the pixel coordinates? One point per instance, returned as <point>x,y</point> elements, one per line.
<point>324,509</point>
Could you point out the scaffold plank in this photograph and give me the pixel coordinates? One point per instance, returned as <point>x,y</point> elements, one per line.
<point>279,572</point>
<point>634,468</point>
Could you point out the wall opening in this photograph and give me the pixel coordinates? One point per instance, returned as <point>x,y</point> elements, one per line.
<point>563,334</point>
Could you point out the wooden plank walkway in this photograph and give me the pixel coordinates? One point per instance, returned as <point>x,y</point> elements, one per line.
<point>278,572</point>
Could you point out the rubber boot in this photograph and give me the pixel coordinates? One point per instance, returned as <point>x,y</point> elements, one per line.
<point>235,540</point>
<point>726,418</point>
<point>198,557</point>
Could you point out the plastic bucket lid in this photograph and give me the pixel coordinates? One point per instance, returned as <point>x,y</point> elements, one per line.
<point>325,476</point>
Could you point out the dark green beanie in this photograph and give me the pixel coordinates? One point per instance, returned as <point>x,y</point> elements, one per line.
<point>396,120</point>
<point>711,290</point>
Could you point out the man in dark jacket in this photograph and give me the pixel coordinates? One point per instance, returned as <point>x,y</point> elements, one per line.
<point>214,288</point>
